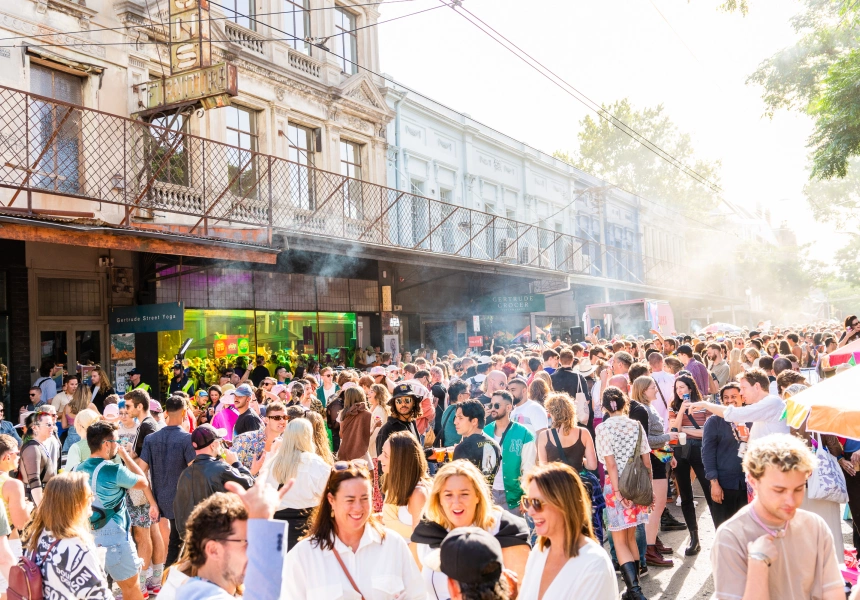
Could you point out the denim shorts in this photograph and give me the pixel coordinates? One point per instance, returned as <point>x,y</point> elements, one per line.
<point>121,561</point>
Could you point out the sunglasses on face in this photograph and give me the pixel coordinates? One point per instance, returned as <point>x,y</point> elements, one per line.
<point>496,405</point>
<point>32,395</point>
<point>403,401</point>
<point>277,417</point>
<point>534,503</point>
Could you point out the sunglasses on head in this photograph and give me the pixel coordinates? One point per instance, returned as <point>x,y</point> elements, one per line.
<point>277,417</point>
<point>343,465</point>
<point>534,503</point>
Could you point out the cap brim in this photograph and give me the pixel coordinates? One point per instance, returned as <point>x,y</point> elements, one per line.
<point>221,433</point>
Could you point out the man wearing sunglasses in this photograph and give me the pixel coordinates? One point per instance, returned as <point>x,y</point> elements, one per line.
<point>251,447</point>
<point>518,452</point>
<point>213,466</point>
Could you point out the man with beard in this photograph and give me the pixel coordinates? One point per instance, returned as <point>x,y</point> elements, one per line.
<point>404,408</point>
<point>110,521</point>
<point>248,419</point>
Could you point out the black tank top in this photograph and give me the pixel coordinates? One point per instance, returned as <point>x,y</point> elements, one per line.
<point>574,455</point>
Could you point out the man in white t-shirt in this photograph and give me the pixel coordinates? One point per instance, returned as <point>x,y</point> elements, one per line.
<point>69,387</point>
<point>526,412</point>
<point>665,388</point>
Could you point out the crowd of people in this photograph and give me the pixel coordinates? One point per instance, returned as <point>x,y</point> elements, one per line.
<point>541,473</point>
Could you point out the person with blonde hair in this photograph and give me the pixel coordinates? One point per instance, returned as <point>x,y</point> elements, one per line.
<point>406,485</point>
<point>344,526</point>
<point>736,363</point>
<point>322,447</point>
<point>772,548</point>
<point>81,400</point>
<point>460,497</point>
<point>539,390</point>
<point>296,458</point>
<point>567,561</point>
<point>60,541</point>
<point>80,451</point>
<point>546,377</point>
<point>377,401</point>
<point>566,441</point>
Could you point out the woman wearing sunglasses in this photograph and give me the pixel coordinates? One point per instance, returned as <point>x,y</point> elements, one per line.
<point>460,497</point>
<point>295,457</point>
<point>566,562</point>
<point>347,552</point>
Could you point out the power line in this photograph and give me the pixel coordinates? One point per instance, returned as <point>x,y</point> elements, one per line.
<point>579,96</point>
<point>127,27</point>
<point>388,79</point>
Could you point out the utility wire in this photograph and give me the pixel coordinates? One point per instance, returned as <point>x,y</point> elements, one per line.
<point>127,27</point>
<point>579,96</point>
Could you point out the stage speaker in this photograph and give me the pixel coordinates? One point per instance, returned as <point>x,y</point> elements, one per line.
<point>576,335</point>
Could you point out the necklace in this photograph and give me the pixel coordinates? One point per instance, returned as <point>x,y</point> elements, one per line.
<point>777,533</point>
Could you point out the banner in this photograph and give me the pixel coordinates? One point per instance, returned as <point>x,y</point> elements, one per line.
<point>476,341</point>
<point>232,345</point>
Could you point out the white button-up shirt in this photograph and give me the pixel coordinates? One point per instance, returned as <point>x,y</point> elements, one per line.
<point>765,415</point>
<point>381,568</point>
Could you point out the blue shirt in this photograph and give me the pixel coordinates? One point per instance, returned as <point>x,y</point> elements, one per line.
<point>167,452</point>
<point>849,447</point>
<point>9,429</point>
<point>720,454</point>
<point>111,485</point>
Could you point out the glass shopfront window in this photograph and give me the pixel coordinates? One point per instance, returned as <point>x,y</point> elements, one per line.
<point>231,338</point>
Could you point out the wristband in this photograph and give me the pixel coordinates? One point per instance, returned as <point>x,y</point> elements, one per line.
<point>761,556</point>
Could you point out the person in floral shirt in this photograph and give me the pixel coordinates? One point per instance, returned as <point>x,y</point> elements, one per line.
<point>252,447</point>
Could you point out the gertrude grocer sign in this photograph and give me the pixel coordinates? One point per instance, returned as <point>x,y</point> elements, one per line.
<point>500,305</point>
<point>147,318</point>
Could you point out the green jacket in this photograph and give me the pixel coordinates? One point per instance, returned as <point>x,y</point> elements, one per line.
<point>512,459</point>
<point>321,393</point>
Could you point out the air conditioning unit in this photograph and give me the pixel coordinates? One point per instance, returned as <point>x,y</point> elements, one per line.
<point>506,250</point>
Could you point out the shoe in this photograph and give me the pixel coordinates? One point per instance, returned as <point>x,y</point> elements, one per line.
<point>655,559</point>
<point>616,566</point>
<point>669,523</point>
<point>153,586</point>
<point>643,570</point>
<point>694,548</point>
<point>661,548</point>
<point>630,574</point>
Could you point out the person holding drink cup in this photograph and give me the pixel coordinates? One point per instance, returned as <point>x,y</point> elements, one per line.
<point>689,424</point>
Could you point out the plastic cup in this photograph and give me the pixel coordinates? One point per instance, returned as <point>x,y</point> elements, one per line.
<point>450,454</point>
<point>743,430</point>
<point>439,454</point>
<point>682,438</point>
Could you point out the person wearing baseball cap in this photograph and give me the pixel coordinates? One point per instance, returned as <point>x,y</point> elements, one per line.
<point>136,382</point>
<point>472,560</point>
<point>180,381</point>
<point>213,466</point>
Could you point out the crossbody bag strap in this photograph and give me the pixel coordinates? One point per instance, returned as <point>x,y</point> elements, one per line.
<point>692,420</point>
<point>662,397</point>
<point>346,571</point>
<point>560,448</point>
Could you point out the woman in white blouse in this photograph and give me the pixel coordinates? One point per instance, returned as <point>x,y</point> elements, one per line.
<point>347,552</point>
<point>566,562</point>
<point>296,458</point>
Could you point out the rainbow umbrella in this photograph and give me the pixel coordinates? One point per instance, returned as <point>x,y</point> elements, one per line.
<point>832,406</point>
<point>849,354</point>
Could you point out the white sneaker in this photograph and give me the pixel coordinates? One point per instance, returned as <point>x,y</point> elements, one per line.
<point>678,502</point>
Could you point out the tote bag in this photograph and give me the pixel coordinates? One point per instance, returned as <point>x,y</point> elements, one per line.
<point>827,481</point>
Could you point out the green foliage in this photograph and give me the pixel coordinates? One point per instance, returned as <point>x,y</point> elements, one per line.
<point>741,6</point>
<point>837,119</point>
<point>611,154</point>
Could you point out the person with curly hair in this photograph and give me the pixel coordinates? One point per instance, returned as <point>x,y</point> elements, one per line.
<point>404,407</point>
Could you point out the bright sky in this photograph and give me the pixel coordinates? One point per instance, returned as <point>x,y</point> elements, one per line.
<point>696,65</point>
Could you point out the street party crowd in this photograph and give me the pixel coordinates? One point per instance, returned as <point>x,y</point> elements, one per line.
<point>543,471</point>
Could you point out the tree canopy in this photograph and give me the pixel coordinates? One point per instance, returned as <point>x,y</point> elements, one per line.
<point>609,153</point>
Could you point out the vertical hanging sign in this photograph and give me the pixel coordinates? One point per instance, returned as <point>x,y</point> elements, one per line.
<point>190,46</point>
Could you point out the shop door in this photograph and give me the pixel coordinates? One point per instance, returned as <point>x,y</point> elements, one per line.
<point>81,345</point>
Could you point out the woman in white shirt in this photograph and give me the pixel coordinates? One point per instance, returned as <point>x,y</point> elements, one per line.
<point>60,541</point>
<point>347,552</point>
<point>461,498</point>
<point>377,398</point>
<point>295,457</point>
<point>566,562</point>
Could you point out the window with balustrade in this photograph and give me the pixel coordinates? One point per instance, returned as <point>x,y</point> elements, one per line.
<point>300,152</point>
<point>297,24</point>
<point>241,156</point>
<point>345,40</point>
<point>241,12</point>
<point>350,165</point>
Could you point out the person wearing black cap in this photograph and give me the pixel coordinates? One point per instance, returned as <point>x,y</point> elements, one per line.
<point>213,466</point>
<point>180,382</point>
<point>404,406</point>
<point>136,383</point>
<point>472,560</point>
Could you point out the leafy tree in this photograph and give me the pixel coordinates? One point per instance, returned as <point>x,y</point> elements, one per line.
<point>606,151</point>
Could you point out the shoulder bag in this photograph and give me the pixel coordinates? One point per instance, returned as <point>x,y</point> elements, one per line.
<point>684,451</point>
<point>25,578</point>
<point>635,481</point>
<point>581,402</point>
<point>346,571</point>
<point>827,481</point>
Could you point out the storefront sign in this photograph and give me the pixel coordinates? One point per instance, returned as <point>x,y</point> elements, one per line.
<point>476,341</point>
<point>476,323</point>
<point>147,318</point>
<point>394,322</point>
<point>190,46</point>
<point>232,345</point>
<point>502,305</point>
<point>386,298</point>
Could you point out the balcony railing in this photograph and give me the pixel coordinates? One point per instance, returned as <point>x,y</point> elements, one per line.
<point>208,188</point>
<point>250,40</point>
